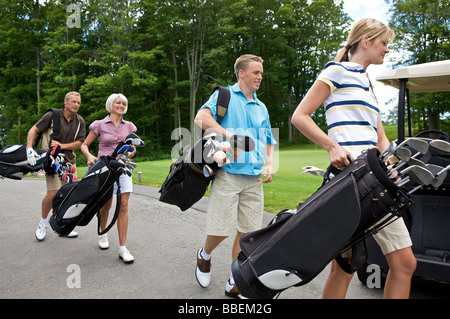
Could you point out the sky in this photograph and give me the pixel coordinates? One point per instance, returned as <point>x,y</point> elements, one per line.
<point>377,9</point>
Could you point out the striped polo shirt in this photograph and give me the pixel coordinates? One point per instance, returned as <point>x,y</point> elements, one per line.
<point>351,109</point>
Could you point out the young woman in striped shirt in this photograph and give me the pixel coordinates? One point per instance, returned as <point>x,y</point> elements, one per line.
<point>354,124</point>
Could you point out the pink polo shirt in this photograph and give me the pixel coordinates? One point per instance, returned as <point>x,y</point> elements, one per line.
<point>108,136</point>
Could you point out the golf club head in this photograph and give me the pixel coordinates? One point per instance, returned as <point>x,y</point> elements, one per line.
<point>69,178</point>
<point>313,171</point>
<point>411,162</point>
<point>441,145</point>
<point>61,157</point>
<point>131,164</point>
<point>416,162</point>
<point>439,172</point>
<point>403,154</point>
<point>212,136</point>
<point>210,148</point>
<point>127,170</point>
<point>70,168</point>
<point>207,171</point>
<point>418,144</point>
<point>419,175</point>
<point>388,150</point>
<point>133,139</point>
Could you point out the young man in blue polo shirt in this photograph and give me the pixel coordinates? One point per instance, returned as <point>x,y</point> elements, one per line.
<point>236,201</point>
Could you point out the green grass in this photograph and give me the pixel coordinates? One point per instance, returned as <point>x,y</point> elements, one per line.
<point>391,132</point>
<point>288,188</point>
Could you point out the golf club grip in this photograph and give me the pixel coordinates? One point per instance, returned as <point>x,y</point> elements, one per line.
<point>242,142</point>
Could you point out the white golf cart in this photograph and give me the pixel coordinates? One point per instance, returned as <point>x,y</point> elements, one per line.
<point>428,220</point>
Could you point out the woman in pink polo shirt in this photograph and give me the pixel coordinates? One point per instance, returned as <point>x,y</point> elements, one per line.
<point>109,132</point>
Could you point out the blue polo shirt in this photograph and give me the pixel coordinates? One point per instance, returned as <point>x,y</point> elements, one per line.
<point>249,118</point>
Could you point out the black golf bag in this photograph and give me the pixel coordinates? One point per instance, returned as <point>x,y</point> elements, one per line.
<point>298,244</point>
<point>14,163</point>
<point>186,184</point>
<point>190,175</point>
<point>76,203</point>
<point>13,158</point>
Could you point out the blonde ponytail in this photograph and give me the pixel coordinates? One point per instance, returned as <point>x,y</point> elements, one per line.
<point>371,28</point>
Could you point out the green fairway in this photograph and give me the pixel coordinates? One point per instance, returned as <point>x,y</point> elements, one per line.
<point>288,188</point>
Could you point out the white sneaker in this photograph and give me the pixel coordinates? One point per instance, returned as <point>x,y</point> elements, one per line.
<point>232,291</point>
<point>40,232</point>
<point>125,255</point>
<point>72,234</point>
<point>103,242</point>
<point>203,270</point>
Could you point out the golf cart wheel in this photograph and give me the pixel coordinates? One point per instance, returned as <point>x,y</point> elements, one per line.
<point>434,134</point>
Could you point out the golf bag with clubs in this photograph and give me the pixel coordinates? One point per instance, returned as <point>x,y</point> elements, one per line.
<point>429,156</point>
<point>428,219</point>
<point>76,203</point>
<point>13,158</point>
<point>14,163</point>
<point>298,244</point>
<point>189,176</point>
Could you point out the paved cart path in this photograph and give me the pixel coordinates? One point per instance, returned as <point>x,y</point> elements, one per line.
<point>163,240</point>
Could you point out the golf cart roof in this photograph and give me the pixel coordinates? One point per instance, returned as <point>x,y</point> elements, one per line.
<point>426,77</point>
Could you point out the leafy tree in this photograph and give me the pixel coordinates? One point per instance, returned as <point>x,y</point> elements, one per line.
<point>165,56</point>
<point>423,31</point>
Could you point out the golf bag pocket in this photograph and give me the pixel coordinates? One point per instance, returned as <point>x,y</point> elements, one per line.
<point>76,203</point>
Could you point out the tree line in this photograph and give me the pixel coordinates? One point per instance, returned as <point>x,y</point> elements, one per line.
<point>164,56</point>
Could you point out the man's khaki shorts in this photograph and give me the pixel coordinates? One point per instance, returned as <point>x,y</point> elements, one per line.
<point>236,202</point>
<point>54,183</point>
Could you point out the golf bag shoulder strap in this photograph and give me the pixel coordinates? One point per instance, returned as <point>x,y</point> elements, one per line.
<point>358,258</point>
<point>56,124</point>
<point>116,212</point>
<point>222,102</point>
